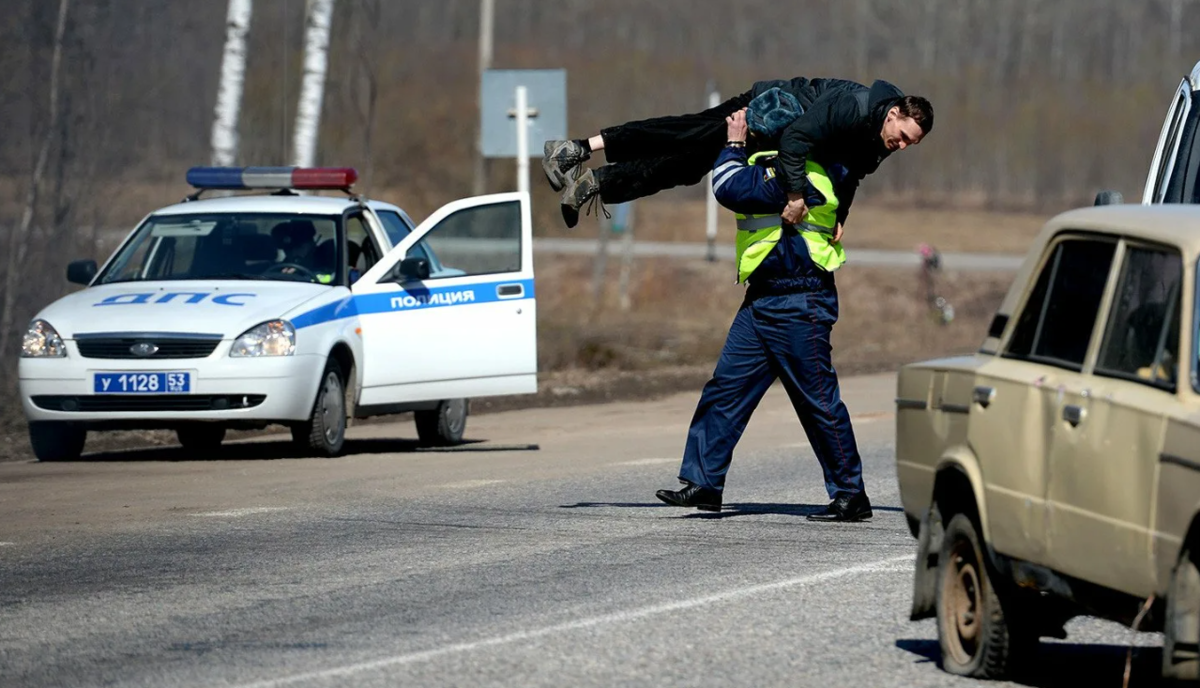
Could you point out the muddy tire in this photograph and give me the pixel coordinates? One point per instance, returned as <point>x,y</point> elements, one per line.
<point>443,426</point>
<point>324,433</point>
<point>201,436</point>
<point>978,627</point>
<point>1181,632</point>
<point>56,440</point>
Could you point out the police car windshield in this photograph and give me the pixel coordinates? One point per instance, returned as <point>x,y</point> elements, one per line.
<point>226,246</point>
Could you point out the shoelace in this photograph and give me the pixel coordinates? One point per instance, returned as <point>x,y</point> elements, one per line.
<point>592,204</point>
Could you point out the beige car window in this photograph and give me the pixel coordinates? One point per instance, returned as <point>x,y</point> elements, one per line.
<point>1141,338</point>
<point>1055,325</point>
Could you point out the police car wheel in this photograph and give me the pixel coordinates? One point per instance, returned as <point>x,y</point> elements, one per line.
<point>444,425</point>
<point>56,440</point>
<point>324,433</point>
<point>201,436</point>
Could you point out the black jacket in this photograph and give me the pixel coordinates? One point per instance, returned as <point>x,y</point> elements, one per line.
<point>841,124</point>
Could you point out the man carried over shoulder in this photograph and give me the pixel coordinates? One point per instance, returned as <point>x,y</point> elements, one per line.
<point>829,120</point>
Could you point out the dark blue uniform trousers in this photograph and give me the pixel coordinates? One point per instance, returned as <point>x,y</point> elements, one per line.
<point>783,337</point>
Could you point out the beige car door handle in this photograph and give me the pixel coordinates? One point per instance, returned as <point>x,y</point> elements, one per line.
<point>984,395</point>
<point>1073,414</point>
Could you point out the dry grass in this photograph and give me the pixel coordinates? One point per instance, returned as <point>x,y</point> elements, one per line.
<point>680,311</point>
<point>869,226</point>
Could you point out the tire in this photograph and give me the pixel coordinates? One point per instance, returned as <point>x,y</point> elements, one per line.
<point>443,426</point>
<point>56,440</point>
<point>978,629</point>
<point>201,436</point>
<point>1181,632</point>
<point>324,433</point>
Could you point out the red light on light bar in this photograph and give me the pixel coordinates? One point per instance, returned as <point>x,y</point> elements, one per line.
<point>323,177</point>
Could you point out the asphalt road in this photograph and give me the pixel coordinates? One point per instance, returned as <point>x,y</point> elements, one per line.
<point>536,555</point>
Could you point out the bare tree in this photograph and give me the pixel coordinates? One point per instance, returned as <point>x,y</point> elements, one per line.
<point>312,90</point>
<point>19,241</point>
<point>229,94</point>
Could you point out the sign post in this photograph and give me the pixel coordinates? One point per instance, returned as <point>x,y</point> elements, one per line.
<point>522,108</point>
<point>523,115</point>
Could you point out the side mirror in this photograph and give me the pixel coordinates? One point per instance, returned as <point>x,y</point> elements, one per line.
<point>413,269</point>
<point>1109,198</point>
<point>81,271</point>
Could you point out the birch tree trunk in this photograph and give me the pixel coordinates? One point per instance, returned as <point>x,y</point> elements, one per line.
<point>229,93</point>
<point>312,90</point>
<point>19,241</point>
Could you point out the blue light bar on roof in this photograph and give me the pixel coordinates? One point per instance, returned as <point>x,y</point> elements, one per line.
<point>272,177</point>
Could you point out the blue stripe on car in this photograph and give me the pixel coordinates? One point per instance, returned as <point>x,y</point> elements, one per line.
<point>415,298</point>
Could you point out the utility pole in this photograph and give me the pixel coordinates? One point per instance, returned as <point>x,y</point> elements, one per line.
<point>1176,39</point>
<point>487,12</point>
<point>312,91</point>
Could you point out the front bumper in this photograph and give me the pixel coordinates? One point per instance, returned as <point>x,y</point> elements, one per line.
<point>222,388</point>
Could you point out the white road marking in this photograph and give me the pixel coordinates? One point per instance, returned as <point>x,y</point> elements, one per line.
<point>7,544</point>
<point>883,565</point>
<point>648,462</point>
<point>249,511</point>
<point>471,483</point>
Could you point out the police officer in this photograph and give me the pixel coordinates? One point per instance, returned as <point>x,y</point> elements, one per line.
<point>781,331</point>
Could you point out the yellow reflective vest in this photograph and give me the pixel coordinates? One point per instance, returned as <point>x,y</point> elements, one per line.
<point>758,234</point>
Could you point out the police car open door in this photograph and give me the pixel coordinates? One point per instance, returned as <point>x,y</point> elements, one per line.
<point>449,312</point>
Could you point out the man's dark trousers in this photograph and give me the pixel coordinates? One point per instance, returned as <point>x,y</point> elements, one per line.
<point>650,155</point>
<point>786,337</point>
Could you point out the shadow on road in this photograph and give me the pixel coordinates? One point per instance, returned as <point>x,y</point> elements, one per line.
<point>268,451</point>
<point>1066,665</point>
<point>727,511</point>
<point>781,509</point>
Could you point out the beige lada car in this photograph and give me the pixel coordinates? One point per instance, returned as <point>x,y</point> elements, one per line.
<point>1055,473</point>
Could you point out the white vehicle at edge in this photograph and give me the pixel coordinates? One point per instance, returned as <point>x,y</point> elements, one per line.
<point>309,311</point>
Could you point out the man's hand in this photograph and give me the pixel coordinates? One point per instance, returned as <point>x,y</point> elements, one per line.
<point>736,126</point>
<point>837,236</point>
<point>795,210</point>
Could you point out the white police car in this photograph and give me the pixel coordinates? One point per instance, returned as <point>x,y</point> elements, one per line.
<point>246,310</point>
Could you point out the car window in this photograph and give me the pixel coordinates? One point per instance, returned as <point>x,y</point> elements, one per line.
<point>394,225</point>
<point>1141,338</point>
<point>244,246</point>
<point>475,241</point>
<point>1055,325</point>
<point>362,253</point>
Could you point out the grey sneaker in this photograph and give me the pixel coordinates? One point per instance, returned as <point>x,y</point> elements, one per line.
<point>561,162</point>
<point>585,188</point>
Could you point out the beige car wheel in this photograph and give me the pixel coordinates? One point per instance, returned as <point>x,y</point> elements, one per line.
<point>976,631</point>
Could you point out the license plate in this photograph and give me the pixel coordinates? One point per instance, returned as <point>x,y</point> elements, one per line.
<point>142,383</point>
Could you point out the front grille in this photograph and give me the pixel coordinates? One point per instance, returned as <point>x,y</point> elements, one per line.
<point>148,402</point>
<point>168,347</point>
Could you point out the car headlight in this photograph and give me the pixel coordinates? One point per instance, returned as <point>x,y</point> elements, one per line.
<point>42,341</point>
<point>275,338</point>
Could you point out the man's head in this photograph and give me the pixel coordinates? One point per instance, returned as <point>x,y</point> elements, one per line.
<point>295,238</point>
<point>907,122</point>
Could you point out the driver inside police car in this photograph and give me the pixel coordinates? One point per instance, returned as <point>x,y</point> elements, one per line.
<point>295,240</point>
